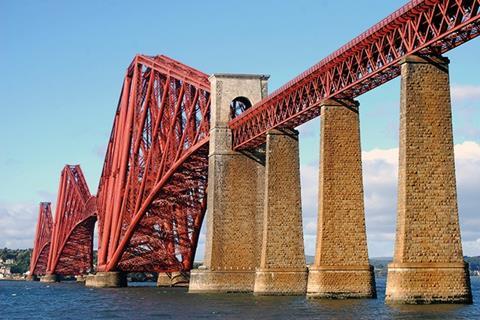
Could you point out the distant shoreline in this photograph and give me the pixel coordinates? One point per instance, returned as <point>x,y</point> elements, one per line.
<point>14,278</point>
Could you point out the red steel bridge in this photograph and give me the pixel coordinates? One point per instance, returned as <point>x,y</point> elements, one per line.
<point>43,234</point>
<point>151,198</point>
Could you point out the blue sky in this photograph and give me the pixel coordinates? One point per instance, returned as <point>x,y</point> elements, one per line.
<point>63,64</point>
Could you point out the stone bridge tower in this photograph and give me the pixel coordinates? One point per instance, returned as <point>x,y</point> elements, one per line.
<point>254,227</point>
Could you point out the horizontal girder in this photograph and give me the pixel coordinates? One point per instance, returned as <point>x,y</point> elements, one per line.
<point>423,27</point>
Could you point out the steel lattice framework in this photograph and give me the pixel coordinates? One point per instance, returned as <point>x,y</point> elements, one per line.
<point>41,245</point>
<point>71,249</point>
<point>152,192</point>
<point>423,27</point>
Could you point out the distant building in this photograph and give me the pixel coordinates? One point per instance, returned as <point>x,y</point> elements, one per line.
<point>5,266</point>
<point>4,271</point>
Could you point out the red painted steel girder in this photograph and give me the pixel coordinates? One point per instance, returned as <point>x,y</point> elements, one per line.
<point>423,27</point>
<point>71,249</point>
<point>152,192</point>
<point>41,245</point>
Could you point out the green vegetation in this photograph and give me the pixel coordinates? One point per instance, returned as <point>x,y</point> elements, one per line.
<point>20,256</point>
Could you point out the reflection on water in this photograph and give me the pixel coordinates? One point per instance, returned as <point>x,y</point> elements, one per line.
<point>34,300</point>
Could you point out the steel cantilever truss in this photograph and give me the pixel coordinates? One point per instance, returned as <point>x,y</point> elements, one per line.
<point>424,27</point>
<point>71,249</point>
<point>152,192</point>
<point>41,246</point>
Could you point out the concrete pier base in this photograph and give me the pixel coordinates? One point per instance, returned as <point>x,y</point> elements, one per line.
<point>205,281</point>
<point>113,279</point>
<point>428,283</point>
<point>81,278</point>
<point>50,278</point>
<point>180,279</point>
<point>164,280</point>
<point>341,282</point>
<point>32,277</point>
<point>281,282</point>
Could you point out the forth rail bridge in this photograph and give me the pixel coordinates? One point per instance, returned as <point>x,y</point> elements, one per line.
<point>184,143</point>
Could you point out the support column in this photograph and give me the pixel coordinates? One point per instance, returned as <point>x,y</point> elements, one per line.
<point>428,265</point>
<point>112,279</point>
<point>341,268</point>
<point>235,195</point>
<point>282,267</point>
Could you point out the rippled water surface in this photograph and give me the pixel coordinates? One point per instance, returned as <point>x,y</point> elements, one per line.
<point>69,300</point>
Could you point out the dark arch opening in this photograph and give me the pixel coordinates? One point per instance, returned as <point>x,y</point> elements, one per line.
<point>238,106</point>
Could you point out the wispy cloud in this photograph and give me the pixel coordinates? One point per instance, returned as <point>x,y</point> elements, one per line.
<point>100,151</point>
<point>380,168</point>
<point>47,196</point>
<point>465,92</point>
<point>17,224</point>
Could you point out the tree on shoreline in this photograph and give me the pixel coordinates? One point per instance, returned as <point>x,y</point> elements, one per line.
<point>21,259</point>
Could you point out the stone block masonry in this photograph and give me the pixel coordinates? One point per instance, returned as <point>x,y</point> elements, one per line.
<point>282,268</point>
<point>341,268</point>
<point>428,264</point>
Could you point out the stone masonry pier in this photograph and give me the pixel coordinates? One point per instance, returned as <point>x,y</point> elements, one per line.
<point>341,268</point>
<point>282,268</point>
<point>428,265</point>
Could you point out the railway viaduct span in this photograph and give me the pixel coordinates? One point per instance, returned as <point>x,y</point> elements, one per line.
<point>184,143</point>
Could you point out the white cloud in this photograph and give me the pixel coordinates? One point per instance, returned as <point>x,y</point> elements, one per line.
<point>467,151</point>
<point>465,92</point>
<point>380,168</point>
<point>100,151</point>
<point>17,225</point>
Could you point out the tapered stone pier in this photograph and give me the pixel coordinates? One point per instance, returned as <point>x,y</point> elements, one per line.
<point>428,265</point>
<point>341,268</point>
<point>282,268</point>
<point>235,194</point>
